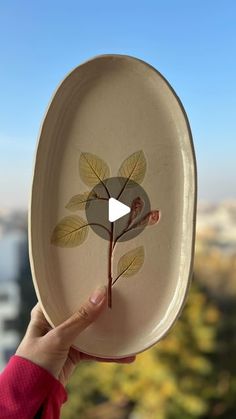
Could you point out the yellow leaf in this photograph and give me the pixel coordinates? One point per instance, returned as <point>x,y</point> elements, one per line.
<point>78,202</point>
<point>92,169</point>
<point>70,232</point>
<point>130,263</point>
<point>134,167</point>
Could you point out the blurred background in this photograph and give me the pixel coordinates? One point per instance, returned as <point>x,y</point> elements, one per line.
<point>192,372</point>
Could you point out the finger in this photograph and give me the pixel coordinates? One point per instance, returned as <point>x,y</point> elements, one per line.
<point>73,358</point>
<point>38,325</point>
<point>88,312</point>
<point>74,355</point>
<point>126,360</point>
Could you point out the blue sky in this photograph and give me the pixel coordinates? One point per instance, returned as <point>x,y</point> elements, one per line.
<point>191,43</point>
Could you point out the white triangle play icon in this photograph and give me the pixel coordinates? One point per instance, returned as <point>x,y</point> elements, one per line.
<point>116,210</point>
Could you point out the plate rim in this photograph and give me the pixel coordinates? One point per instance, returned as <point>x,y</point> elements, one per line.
<point>189,277</point>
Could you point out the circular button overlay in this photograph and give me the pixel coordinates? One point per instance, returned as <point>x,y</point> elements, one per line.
<point>125,191</point>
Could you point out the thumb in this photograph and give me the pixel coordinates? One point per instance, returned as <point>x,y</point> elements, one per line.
<point>88,312</point>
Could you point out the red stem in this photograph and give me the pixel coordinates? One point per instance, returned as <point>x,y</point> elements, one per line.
<point>110,267</point>
<point>121,234</point>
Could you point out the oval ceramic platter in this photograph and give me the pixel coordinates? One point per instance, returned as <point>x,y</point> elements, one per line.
<point>114,115</point>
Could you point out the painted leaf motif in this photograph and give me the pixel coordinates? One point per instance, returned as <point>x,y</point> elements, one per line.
<point>136,209</point>
<point>92,169</point>
<point>149,219</point>
<point>131,262</point>
<point>78,202</point>
<point>70,232</point>
<point>134,167</point>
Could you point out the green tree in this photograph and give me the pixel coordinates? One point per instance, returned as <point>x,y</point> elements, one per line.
<point>175,379</point>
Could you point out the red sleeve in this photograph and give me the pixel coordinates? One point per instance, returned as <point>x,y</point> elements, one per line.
<point>27,390</point>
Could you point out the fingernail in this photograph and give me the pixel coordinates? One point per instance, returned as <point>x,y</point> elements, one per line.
<point>98,295</point>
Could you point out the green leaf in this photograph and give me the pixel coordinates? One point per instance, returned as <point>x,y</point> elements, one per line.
<point>131,262</point>
<point>78,202</point>
<point>92,169</point>
<point>70,232</point>
<point>134,167</point>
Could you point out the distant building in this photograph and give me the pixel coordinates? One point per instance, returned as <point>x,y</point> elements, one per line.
<point>216,227</point>
<point>26,289</point>
<point>13,233</point>
<point>9,310</point>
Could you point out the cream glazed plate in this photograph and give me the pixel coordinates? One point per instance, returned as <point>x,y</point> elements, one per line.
<point>114,117</point>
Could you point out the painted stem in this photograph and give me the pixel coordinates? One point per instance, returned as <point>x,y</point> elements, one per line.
<point>121,234</point>
<point>100,225</point>
<point>126,230</point>
<point>110,267</point>
<point>116,279</point>
<point>110,232</point>
<point>106,189</point>
<point>123,188</point>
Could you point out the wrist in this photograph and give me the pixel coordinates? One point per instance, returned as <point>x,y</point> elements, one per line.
<point>38,358</point>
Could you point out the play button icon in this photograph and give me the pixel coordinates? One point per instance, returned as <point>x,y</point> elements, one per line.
<point>116,210</point>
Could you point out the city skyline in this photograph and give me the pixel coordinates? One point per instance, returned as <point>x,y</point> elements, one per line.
<point>190,44</point>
